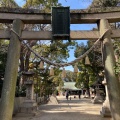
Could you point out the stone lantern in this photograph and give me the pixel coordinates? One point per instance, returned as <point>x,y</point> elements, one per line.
<point>105,110</point>
<point>29,105</point>
<point>29,85</point>
<point>98,98</point>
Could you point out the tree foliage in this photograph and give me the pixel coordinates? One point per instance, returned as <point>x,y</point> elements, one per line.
<point>55,51</point>
<point>88,73</point>
<point>8,3</point>
<point>41,4</point>
<point>104,3</point>
<point>3,56</point>
<point>116,45</point>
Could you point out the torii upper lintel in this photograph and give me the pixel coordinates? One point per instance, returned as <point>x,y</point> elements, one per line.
<point>33,16</point>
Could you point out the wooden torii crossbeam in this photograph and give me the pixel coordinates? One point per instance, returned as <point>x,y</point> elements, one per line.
<point>47,35</point>
<point>34,16</point>
<point>30,16</point>
<point>18,17</point>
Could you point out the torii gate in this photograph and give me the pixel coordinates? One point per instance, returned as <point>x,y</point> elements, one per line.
<point>19,17</point>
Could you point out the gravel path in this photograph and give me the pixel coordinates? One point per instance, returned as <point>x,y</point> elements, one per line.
<point>74,109</point>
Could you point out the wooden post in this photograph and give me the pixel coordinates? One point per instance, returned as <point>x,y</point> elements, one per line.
<point>109,63</point>
<point>11,71</point>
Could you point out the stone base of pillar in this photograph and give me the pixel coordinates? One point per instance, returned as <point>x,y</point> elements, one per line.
<point>97,99</point>
<point>28,107</point>
<point>105,112</point>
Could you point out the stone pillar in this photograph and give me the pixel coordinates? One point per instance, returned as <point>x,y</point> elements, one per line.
<point>29,106</point>
<point>113,84</point>
<point>98,98</point>
<point>11,71</point>
<point>29,89</point>
<point>105,110</point>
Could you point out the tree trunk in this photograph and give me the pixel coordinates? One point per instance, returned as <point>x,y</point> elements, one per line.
<point>11,71</point>
<point>27,60</point>
<point>22,59</point>
<point>109,63</point>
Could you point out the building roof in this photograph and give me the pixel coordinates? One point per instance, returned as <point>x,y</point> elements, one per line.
<point>70,86</point>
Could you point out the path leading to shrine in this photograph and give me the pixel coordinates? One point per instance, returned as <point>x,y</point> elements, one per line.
<point>73,109</point>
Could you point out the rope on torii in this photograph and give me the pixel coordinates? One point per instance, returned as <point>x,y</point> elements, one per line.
<point>63,64</point>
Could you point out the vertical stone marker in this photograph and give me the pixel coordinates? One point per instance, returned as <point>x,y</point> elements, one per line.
<point>113,84</point>
<point>98,98</point>
<point>105,110</point>
<point>11,71</point>
<point>29,106</point>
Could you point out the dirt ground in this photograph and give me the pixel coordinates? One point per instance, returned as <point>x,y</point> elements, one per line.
<point>73,109</point>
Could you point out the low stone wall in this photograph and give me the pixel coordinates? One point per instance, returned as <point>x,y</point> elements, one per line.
<point>17,103</point>
<point>20,100</point>
<point>40,100</point>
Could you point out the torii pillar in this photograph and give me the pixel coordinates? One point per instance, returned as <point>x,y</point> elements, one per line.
<point>109,63</point>
<point>11,71</point>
